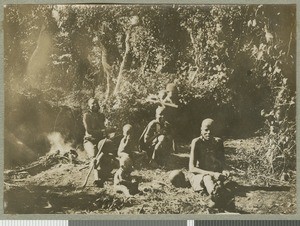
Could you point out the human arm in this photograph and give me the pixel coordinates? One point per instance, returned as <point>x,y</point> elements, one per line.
<point>162,102</point>
<point>174,147</point>
<point>122,146</point>
<point>220,156</point>
<point>117,177</point>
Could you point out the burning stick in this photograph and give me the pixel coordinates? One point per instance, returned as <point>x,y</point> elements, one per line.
<point>99,154</point>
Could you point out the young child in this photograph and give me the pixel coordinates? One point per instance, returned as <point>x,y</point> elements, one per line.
<point>206,165</point>
<point>123,182</point>
<point>128,148</point>
<point>126,145</point>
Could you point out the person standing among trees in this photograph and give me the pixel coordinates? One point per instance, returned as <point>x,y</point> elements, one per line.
<point>206,164</point>
<point>93,122</point>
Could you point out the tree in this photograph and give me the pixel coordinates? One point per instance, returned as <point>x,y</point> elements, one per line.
<point>234,60</point>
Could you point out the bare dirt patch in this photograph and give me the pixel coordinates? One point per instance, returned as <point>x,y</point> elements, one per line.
<point>58,190</point>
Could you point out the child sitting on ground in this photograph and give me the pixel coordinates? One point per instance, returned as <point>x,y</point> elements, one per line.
<point>206,165</point>
<point>123,182</point>
<point>127,146</point>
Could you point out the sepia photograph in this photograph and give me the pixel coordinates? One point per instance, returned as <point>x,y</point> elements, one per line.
<point>149,109</point>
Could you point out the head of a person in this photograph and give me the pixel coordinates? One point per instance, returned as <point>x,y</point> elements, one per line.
<point>159,113</point>
<point>127,130</point>
<point>171,89</point>
<point>93,104</point>
<point>207,128</point>
<point>126,163</point>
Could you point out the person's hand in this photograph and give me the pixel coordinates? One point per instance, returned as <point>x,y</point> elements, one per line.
<point>103,133</point>
<point>216,175</point>
<point>226,173</point>
<point>95,162</point>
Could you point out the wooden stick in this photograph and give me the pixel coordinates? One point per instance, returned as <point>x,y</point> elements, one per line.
<point>28,168</point>
<point>162,102</point>
<point>237,169</point>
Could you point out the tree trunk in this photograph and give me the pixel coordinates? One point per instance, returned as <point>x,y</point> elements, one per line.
<point>123,63</point>
<point>39,59</point>
<point>196,57</point>
<point>144,65</point>
<point>107,71</point>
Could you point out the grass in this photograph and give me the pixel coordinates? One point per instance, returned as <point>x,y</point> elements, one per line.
<point>57,190</point>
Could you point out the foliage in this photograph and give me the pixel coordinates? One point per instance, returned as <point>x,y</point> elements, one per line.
<point>272,58</point>
<point>228,62</point>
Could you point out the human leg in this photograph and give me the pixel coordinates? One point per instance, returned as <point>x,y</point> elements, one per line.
<point>158,146</point>
<point>161,150</point>
<point>196,181</point>
<point>209,183</point>
<point>90,148</point>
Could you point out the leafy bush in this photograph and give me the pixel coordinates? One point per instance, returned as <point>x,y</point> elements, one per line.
<point>228,62</point>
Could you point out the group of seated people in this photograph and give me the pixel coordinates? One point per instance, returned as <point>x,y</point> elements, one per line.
<point>206,162</point>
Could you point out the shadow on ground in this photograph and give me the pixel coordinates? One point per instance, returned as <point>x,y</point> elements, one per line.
<point>39,199</point>
<point>178,161</point>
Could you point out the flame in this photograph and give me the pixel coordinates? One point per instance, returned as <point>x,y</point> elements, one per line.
<point>57,142</point>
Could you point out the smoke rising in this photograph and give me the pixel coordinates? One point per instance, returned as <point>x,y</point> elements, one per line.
<point>57,142</point>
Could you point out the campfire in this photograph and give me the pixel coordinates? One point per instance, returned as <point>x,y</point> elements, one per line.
<point>60,153</point>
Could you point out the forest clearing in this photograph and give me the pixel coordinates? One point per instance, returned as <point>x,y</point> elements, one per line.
<point>235,64</point>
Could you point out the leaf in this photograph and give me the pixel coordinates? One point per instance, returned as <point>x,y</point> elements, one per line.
<point>268,35</point>
<point>276,70</point>
<point>259,54</point>
<point>218,67</point>
<point>254,50</point>
<point>284,81</point>
<point>249,23</point>
<point>270,68</point>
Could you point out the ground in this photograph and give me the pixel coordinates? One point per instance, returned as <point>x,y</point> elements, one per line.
<point>58,190</point>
